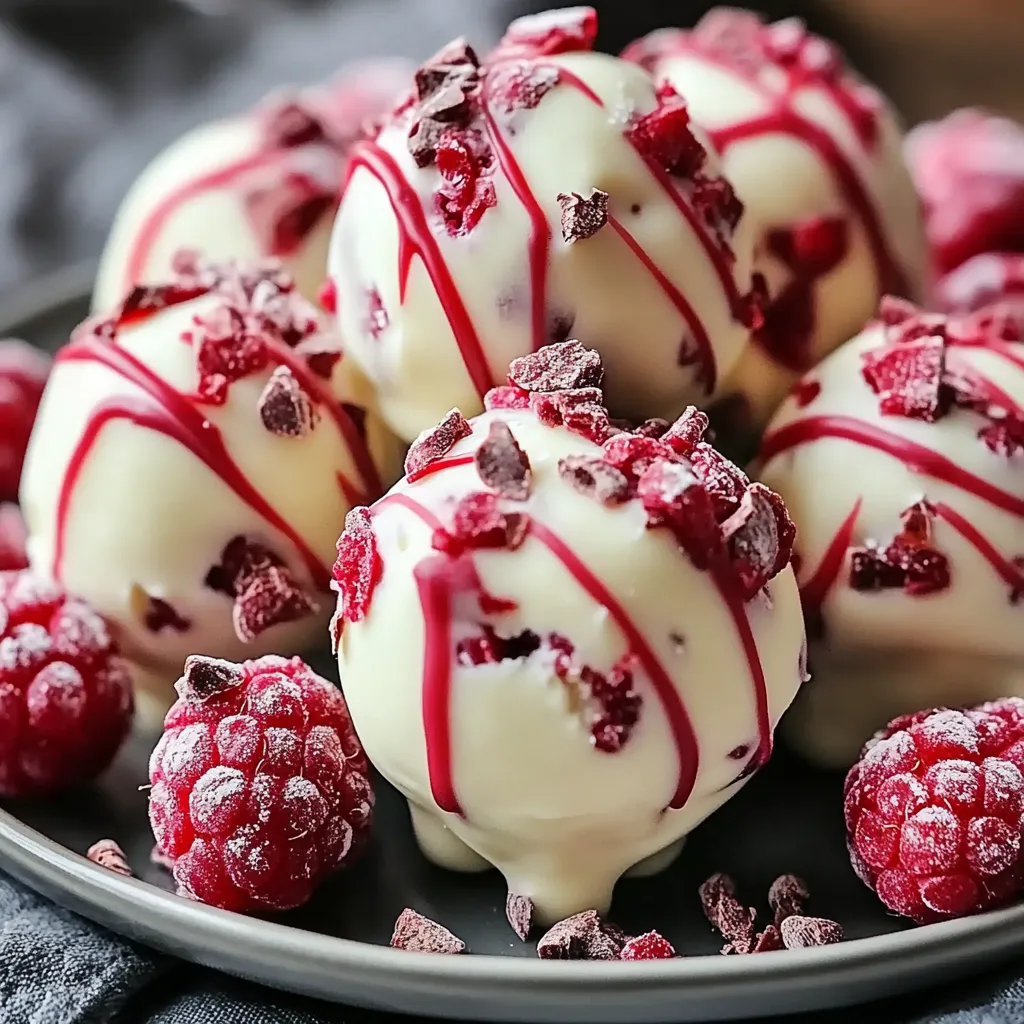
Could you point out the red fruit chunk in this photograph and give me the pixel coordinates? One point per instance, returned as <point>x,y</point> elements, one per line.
<point>436,442</point>
<point>568,30</point>
<point>582,218</point>
<point>664,137</point>
<point>805,391</point>
<point>65,695</point>
<point>760,538</point>
<point>686,432</point>
<point>561,367</point>
<point>1004,436</point>
<point>506,397</point>
<point>804,932</point>
<point>418,934</point>
<point>768,941</point>
<point>595,478</point>
<point>107,854</point>
<point>934,811</point>
<point>285,408</point>
<point>674,497</point>
<point>581,937</point>
<point>579,410</point>
<point>160,615</point>
<point>359,567</point>
<point>520,85</point>
<point>23,373</point>
<point>468,190</point>
<point>289,123</point>
<point>649,946</point>
<point>725,912</point>
<point>908,378</point>
<point>502,465</point>
<point>13,535</point>
<point>519,911</point>
<point>479,522</point>
<point>787,896</point>
<point>260,788</point>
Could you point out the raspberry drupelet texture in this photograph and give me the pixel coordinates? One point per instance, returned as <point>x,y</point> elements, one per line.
<point>934,811</point>
<point>23,373</point>
<point>65,695</point>
<point>260,785</point>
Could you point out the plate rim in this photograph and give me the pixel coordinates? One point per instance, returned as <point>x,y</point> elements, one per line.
<point>220,938</point>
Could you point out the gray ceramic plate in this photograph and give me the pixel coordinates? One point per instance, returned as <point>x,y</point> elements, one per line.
<point>787,819</point>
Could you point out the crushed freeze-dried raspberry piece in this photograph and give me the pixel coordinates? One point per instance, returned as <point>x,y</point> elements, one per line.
<point>1004,436</point>
<point>582,218</point>
<point>285,408</point>
<point>580,410</point>
<point>502,465</point>
<point>519,911</point>
<point>488,648</point>
<point>107,854</point>
<point>768,941</point>
<point>159,615</point>
<point>665,137</point>
<point>934,811</point>
<point>787,896</point>
<point>805,391</point>
<point>479,522</point>
<point>65,694</point>
<point>595,478</point>
<point>359,567</point>
<point>567,30</point>
<point>804,932</point>
<point>418,934</point>
<point>673,497</point>
<point>520,85</point>
<point>260,790</point>
<point>686,432</point>
<point>724,481</point>
<point>908,562</point>
<point>468,189</point>
<point>506,397</point>
<point>204,678</point>
<point>13,535</point>
<point>908,378</point>
<point>649,946</point>
<point>328,296</point>
<point>633,455</point>
<point>561,367</point>
<point>23,373</point>
<point>581,937</point>
<point>725,912</point>
<point>436,442</point>
<point>760,538</point>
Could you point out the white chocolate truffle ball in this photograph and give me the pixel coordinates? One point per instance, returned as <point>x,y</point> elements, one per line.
<point>192,463</point>
<point>566,655</point>
<point>816,156</point>
<point>544,192</point>
<point>901,458</point>
<point>261,184</point>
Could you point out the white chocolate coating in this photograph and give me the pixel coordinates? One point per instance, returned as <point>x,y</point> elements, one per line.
<point>148,517</point>
<point>559,818</point>
<point>193,194</point>
<point>597,286</point>
<point>886,653</point>
<point>794,155</point>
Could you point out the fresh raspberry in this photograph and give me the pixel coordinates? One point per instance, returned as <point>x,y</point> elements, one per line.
<point>65,695</point>
<point>23,373</point>
<point>12,538</point>
<point>260,785</point>
<point>934,811</point>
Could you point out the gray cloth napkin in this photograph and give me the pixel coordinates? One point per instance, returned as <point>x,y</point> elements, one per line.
<point>56,968</point>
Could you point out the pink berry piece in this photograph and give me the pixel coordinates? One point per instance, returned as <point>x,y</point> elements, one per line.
<point>581,937</point>
<point>65,694</point>
<point>418,934</point>
<point>502,465</point>
<point>649,946</point>
<point>359,567</point>
<point>285,408</point>
<point>665,137</point>
<point>908,379</point>
<point>13,536</point>
<point>561,367</point>
<point>435,443</point>
<point>478,522</point>
<point>934,811</point>
<point>506,397</point>
<point>519,911</point>
<point>595,478</point>
<point>260,788</point>
<point>107,854</point>
<point>726,913</point>
<point>582,217</point>
<point>806,932</point>
<point>787,896</point>
<point>768,941</point>
<point>686,432</point>
<point>568,30</point>
<point>24,370</point>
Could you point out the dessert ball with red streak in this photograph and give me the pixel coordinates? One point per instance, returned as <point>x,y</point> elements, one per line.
<point>990,278</point>
<point>566,642</point>
<point>258,184</point>
<point>901,459</point>
<point>935,810</point>
<point>23,373</point>
<point>65,694</point>
<point>196,452</point>
<point>529,195</point>
<point>260,785</point>
<point>969,172</point>
<point>816,154</point>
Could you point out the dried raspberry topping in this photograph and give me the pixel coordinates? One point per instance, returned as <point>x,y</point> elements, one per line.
<point>664,137</point>
<point>488,648</point>
<point>375,319</point>
<point>479,523</point>
<point>760,537</point>
<point>519,911</point>
<point>908,562</point>
<point>159,615</point>
<point>908,378</point>
<point>805,391</point>
<point>23,373</point>
<point>65,695</point>
<point>436,442</point>
<point>673,497</point>
<point>520,85</point>
<point>260,786</point>
<point>359,567</point>
<point>649,946</point>
<point>787,896</point>
<point>502,465</point>
<point>107,854</point>
<point>567,30</point>
<point>1004,436</point>
<point>265,591</point>
<point>595,478</point>
<point>686,432</point>
<point>562,367</point>
<point>468,190</point>
<point>506,397</point>
<point>285,407</point>
<point>726,914</point>
<point>934,811</point>
<point>582,218</point>
<point>804,932</point>
<point>13,535</point>
<point>579,410</point>
<point>418,934</point>
<point>581,937</point>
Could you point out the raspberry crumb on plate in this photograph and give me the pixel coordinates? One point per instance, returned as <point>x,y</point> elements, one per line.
<point>418,934</point>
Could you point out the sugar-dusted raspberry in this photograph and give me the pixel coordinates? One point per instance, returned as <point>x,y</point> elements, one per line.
<point>727,914</point>
<point>595,478</point>
<point>649,946</point>
<point>467,191</point>
<point>934,811</point>
<point>560,367</point>
<point>908,378</point>
<point>436,442</point>
<point>23,373</point>
<point>359,567</point>
<point>13,535</point>
<point>65,695</point>
<point>260,785</point>
<point>418,934</point>
<point>581,937</point>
